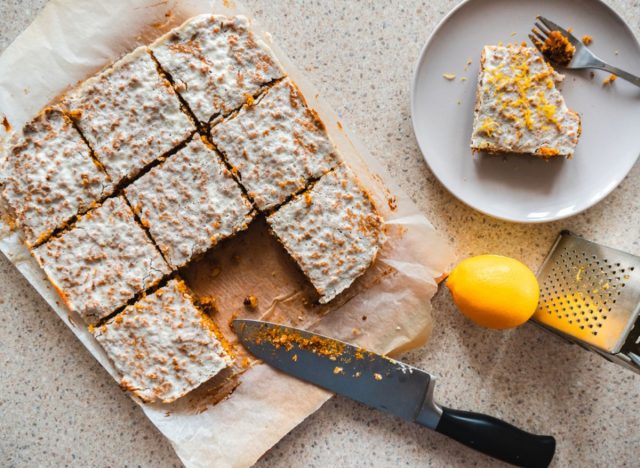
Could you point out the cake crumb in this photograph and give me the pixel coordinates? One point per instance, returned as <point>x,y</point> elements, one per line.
<point>557,48</point>
<point>587,40</point>
<point>6,124</point>
<point>250,301</point>
<point>449,76</point>
<point>338,370</point>
<point>377,376</point>
<point>609,80</point>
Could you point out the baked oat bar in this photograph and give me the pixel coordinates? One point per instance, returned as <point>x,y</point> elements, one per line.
<point>102,261</point>
<point>129,114</point>
<point>163,346</point>
<point>276,145</point>
<point>518,107</point>
<point>333,231</point>
<point>215,62</point>
<point>48,176</point>
<point>189,203</point>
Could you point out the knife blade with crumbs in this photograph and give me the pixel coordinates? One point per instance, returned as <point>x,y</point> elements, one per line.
<point>389,385</point>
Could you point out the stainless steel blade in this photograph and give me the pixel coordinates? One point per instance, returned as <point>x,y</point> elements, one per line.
<point>369,378</point>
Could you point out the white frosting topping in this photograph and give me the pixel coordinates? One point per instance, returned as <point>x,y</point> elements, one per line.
<point>276,145</point>
<point>48,175</point>
<point>518,107</point>
<point>103,261</point>
<point>333,231</point>
<point>163,346</point>
<point>129,115</point>
<point>215,61</point>
<point>189,203</point>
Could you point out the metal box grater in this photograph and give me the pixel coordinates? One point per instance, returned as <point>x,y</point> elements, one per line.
<point>590,294</point>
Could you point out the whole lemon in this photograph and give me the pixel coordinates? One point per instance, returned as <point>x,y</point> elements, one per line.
<point>494,291</point>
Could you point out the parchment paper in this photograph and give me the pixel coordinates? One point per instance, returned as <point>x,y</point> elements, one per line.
<point>387,310</point>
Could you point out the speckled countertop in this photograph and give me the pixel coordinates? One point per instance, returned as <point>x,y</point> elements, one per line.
<point>59,407</point>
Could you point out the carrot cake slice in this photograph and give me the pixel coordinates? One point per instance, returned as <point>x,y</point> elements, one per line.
<point>163,346</point>
<point>276,145</point>
<point>48,176</point>
<point>189,203</point>
<point>102,261</point>
<point>129,114</point>
<point>333,231</point>
<point>518,107</point>
<point>215,62</point>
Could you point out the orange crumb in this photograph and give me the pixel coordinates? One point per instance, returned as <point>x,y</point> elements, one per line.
<point>547,151</point>
<point>251,301</point>
<point>609,80</point>
<point>587,40</point>
<point>6,124</point>
<point>557,48</point>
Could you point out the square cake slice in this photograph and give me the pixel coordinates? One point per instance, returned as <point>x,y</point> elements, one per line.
<point>276,145</point>
<point>518,107</point>
<point>189,203</point>
<point>102,262</point>
<point>129,114</point>
<point>215,62</point>
<point>48,176</point>
<point>163,346</point>
<point>333,231</point>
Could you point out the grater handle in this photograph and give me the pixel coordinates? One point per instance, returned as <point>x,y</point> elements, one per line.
<point>497,438</point>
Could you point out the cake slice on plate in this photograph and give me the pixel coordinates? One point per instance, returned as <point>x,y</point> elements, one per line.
<point>518,107</point>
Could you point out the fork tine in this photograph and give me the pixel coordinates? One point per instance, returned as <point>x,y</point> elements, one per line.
<point>536,42</point>
<point>552,26</point>
<point>542,28</point>
<point>539,35</point>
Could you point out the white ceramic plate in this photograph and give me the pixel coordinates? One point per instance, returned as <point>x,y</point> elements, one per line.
<point>523,188</point>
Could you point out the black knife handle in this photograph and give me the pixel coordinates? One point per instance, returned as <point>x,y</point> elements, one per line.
<point>496,438</point>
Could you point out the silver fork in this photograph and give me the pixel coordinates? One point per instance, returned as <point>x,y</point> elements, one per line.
<point>583,57</point>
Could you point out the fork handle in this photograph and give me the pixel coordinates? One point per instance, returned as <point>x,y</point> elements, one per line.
<point>621,73</point>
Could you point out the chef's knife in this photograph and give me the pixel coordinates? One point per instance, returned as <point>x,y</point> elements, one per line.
<point>389,385</point>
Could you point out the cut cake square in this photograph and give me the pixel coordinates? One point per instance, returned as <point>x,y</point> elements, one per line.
<point>102,261</point>
<point>215,62</point>
<point>333,231</point>
<point>129,114</point>
<point>163,346</point>
<point>189,203</point>
<point>48,176</point>
<point>518,107</point>
<point>276,145</point>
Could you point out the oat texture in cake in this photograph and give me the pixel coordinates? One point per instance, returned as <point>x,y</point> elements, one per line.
<point>163,346</point>
<point>518,107</point>
<point>215,62</point>
<point>102,261</point>
<point>333,231</point>
<point>189,203</point>
<point>276,145</point>
<point>48,176</point>
<point>129,114</point>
